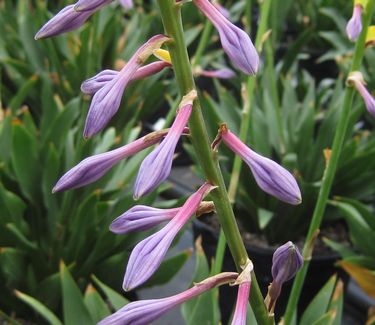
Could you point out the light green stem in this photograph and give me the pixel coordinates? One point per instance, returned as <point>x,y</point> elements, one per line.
<point>329,173</point>
<point>171,16</point>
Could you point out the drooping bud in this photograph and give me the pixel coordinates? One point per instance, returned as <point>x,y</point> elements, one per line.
<point>156,167</point>
<point>92,168</point>
<point>354,25</point>
<point>107,99</point>
<point>92,85</point>
<point>356,79</point>
<point>146,311</point>
<point>244,283</point>
<point>65,21</point>
<point>270,176</point>
<point>236,43</point>
<point>149,253</point>
<point>86,5</point>
<point>142,217</point>
<point>286,262</point>
<point>224,73</point>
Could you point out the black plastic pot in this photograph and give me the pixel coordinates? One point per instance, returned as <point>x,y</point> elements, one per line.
<point>320,270</point>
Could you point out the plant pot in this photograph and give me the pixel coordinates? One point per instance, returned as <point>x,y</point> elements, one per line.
<point>320,270</point>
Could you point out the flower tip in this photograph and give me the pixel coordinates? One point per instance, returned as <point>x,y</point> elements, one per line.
<point>39,35</point>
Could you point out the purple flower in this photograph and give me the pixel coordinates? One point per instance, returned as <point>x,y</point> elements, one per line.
<point>146,311</point>
<point>92,168</point>
<point>224,73</point>
<point>236,43</point>
<point>149,253</point>
<point>356,79</point>
<point>354,25</point>
<point>141,217</point>
<point>244,282</point>
<point>286,262</point>
<point>156,167</point>
<point>107,99</point>
<point>271,177</point>
<point>92,85</point>
<point>65,21</point>
<point>85,5</point>
<point>127,4</point>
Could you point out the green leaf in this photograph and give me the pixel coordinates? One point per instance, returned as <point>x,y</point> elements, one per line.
<point>203,309</point>
<point>319,305</point>
<point>22,93</point>
<point>74,309</point>
<point>169,268</point>
<point>12,206</point>
<point>95,304</point>
<point>116,300</point>
<point>24,145</point>
<point>12,266</point>
<point>336,303</point>
<point>41,309</point>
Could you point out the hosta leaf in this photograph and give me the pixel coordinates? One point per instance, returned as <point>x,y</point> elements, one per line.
<point>204,308</point>
<point>24,160</point>
<point>12,265</point>
<point>319,305</point>
<point>95,304</point>
<point>364,277</point>
<point>41,309</point>
<point>116,300</point>
<point>74,309</point>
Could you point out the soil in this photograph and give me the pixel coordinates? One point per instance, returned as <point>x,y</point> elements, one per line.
<point>336,232</point>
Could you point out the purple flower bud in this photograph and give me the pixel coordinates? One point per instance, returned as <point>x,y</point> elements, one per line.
<point>92,85</point>
<point>65,21</point>
<point>271,177</point>
<point>106,100</point>
<point>354,25</point>
<point>92,168</point>
<point>236,43</point>
<point>140,218</point>
<point>286,262</point>
<point>244,282</point>
<point>146,311</point>
<point>224,73</point>
<point>85,5</point>
<point>156,167</point>
<point>149,253</point>
<point>127,4</point>
<point>356,79</point>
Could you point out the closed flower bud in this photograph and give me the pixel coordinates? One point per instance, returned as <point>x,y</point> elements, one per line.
<point>224,73</point>
<point>107,99</point>
<point>354,25</point>
<point>142,217</point>
<point>65,21</point>
<point>149,253</point>
<point>85,5</point>
<point>236,43</point>
<point>92,85</point>
<point>92,168</point>
<point>286,262</point>
<point>146,311</point>
<point>156,167</point>
<point>244,285</point>
<point>356,79</point>
<point>270,176</point>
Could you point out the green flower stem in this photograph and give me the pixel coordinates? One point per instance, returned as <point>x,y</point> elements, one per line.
<point>330,170</point>
<point>171,16</point>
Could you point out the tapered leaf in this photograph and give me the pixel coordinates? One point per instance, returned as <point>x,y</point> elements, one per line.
<point>95,304</point>
<point>41,309</point>
<point>74,309</point>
